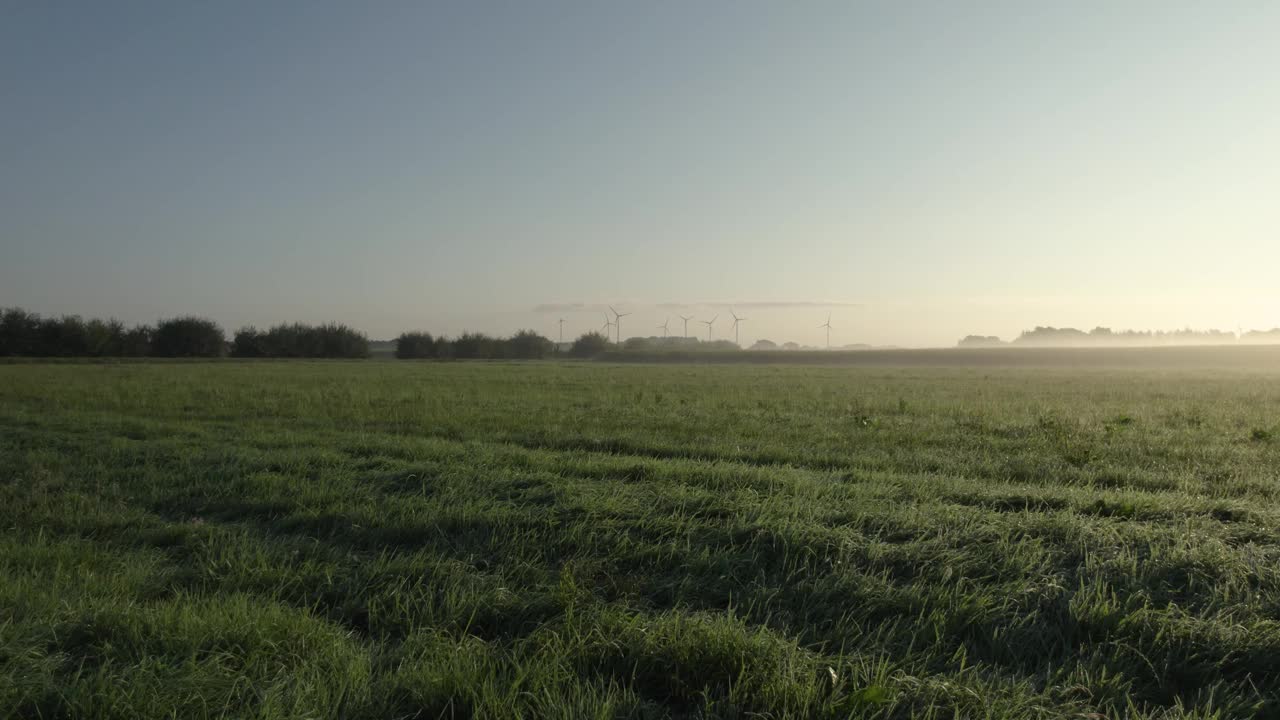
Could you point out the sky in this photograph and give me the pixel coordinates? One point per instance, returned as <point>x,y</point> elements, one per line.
<point>918,170</point>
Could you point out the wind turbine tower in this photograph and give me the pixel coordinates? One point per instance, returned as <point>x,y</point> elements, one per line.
<point>736,320</point>
<point>561,331</point>
<point>617,322</point>
<point>686,324</point>
<point>709,323</point>
<point>827,325</point>
<point>664,325</point>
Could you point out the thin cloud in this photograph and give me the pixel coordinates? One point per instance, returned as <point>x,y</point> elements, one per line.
<point>565,307</point>
<point>768,304</point>
<point>750,304</point>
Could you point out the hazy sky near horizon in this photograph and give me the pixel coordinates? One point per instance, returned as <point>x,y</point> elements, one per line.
<point>929,169</point>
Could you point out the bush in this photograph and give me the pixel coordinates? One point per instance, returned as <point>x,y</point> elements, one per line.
<point>444,348</point>
<point>188,337</point>
<point>589,345</point>
<point>301,341</point>
<point>290,340</point>
<point>524,345</point>
<point>415,345</point>
<point>136,341</point>
<point>105,338</point>
<point>17,331</point>
<point>528,345</point>
<point>27,334</point>
<point>249,342</point>
<point>61,337</point>
<point>339,341</point>
<point>471,346</point>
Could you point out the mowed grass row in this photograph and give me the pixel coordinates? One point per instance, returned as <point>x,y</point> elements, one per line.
<point>338,540</point>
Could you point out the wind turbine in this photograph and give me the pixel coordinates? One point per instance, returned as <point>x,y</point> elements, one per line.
<point>664,325</point>
<point>686,324</point>
<point>561,331</point>
<point>827,325</point>
<point>617,322</point>
<point>605,328</point>
<point>709,323</point>
<point>736,320</point>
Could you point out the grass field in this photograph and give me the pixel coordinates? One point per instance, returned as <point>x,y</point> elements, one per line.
<point>397,540</point>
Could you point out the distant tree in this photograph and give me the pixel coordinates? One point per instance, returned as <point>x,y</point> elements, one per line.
<point>415,345</point>
<point>637,343</point>
<point>528,345</point>
<point>66,336</point>
<point>720,345</point>
<point>472,345</point>
<point>248,343</point>
<point>1052,336</point>
<point>980,341</point>
<point>589,345</point>
<point>297,340</point>
<point>336,340</point>
<point>290,340</point>
<point>136,341</point>
<point>790,346</point>
<point>188,337</point>
<point>105,338</point>
<point>763,344</point>
<point>18,331</point>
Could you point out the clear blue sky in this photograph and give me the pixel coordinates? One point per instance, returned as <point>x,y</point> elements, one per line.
<point>930,169</point>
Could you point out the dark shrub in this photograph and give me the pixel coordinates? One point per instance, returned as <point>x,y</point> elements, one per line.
<point>589,345</point>
<point>528,345</point>
<point>444,348</point>
<point>290,340</point>
<point>188,337</point>
<point>415,345</point>
<point>339,341</point>
<point>62,337</point>
<point>248,343</point>
<point>24,333</point>
<point>136,341</point>
<point>104,338</point>
<point>295,340</point>
<point>470,346</point>
<point>18,331</point>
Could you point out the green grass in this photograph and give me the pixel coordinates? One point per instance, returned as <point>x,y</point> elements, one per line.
<point>397,540</point>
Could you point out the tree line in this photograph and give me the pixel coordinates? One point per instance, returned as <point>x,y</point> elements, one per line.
<point>524,345</point>
<point>1072,337</point>
<point>27,334</point>
<point>24,333</point>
